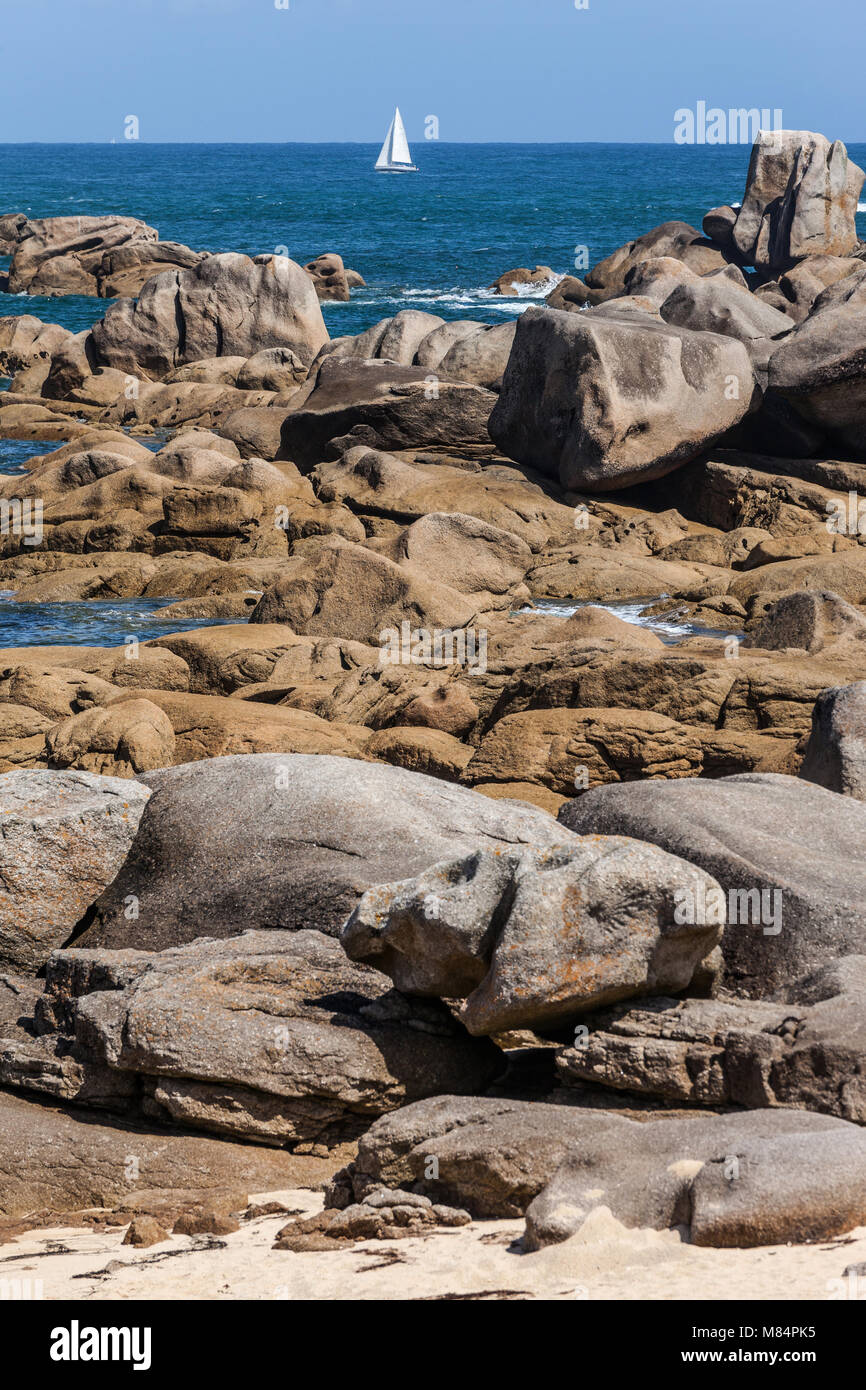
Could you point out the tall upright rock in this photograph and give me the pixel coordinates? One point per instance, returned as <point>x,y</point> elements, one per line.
<point>800,200</point>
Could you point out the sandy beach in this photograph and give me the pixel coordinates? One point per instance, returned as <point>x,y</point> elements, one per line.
<point>603,1261</point>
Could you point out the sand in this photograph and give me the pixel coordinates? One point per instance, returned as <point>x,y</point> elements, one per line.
<point>603,1261</point>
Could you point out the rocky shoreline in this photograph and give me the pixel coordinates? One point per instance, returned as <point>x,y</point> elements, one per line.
<point>383,880</point>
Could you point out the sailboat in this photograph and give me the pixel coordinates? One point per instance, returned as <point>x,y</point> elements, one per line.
<point>395,157</point>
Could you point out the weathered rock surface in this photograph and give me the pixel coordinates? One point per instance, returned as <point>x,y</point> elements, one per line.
<point>760,1178</point>
<point>227,305</point>
<point>676,240</point>
<point>558,747</point>
<point>482,357</point>
<point>835,755</point>
<point>805,1048</point>
<point>383,406</point>
<point>60,255</point>
<point>715,304</point>
<point>13,226</point>
<point>800,200</point>
<point>145,1231</point>
<point>479,559</point>
<point>124,271</point>
<point>800,1177</point>
<point>811,620</point>
<point>381,1215</point>
<point>790,857</point>
<point>434,346</point>
<point>718,224</point>
<point>28,346</point>
<point>346,590</point>
<point>64,837</point>
<point>290,841</point>
<point>510,282</point>
<point>605,402</point>
<point>190,727</point>
<point>122,740</point>
<point>376,484</point>
<point>820,366</point>
<point>272,1036</point>
<point>331,278</point>
<point>96,1171</point>
<point>537,938</point>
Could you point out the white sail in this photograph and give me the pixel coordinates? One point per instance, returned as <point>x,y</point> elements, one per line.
<point>385,155</point>
<point>399,145</point>
<point>395,153</point>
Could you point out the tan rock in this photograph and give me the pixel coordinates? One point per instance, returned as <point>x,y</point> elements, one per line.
<point>22,736</point>
<point>119,740</point>
<point>55,691</point>
<point>421,750</point>
<point>566,750</point>
<point>345,590</point>
<point>379,484</point>
<point>207,726</point>
<point>221,659</point>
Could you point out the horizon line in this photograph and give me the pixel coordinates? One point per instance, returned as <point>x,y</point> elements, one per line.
<point>10,144</point>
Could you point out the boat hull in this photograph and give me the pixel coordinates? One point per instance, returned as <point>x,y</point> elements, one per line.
<point>400,169</point>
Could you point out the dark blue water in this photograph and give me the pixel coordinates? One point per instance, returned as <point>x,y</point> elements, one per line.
<point>14,453</point>
<point>434,239</point>
<point>94,622</point>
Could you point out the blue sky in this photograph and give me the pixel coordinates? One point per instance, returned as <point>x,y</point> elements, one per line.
<point>216,70</point>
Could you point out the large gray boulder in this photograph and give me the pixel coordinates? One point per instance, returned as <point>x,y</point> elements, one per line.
<point>742,1180</point>
<point>800,200</point>
<point>271,1036</point>
<point>835,755</point>
<point>63,837</point>
<point>752,1178</point>
<point>798,289</point>
<point>715,304</point>
<point>796,851</point>
<point>482,357</point>
<point>812,620</point>
<point>821,366</point>
<point>290,841</point>
<point>383,406</point>
<point>226,306</point>
<point>536,938</point>
<point>404,333</point>
<point>441,340</point>
<point>604,400</point>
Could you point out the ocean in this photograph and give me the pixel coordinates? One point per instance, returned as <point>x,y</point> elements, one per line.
<point>433,240</point>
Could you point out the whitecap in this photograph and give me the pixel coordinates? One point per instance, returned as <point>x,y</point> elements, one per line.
<point>629,612</point>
